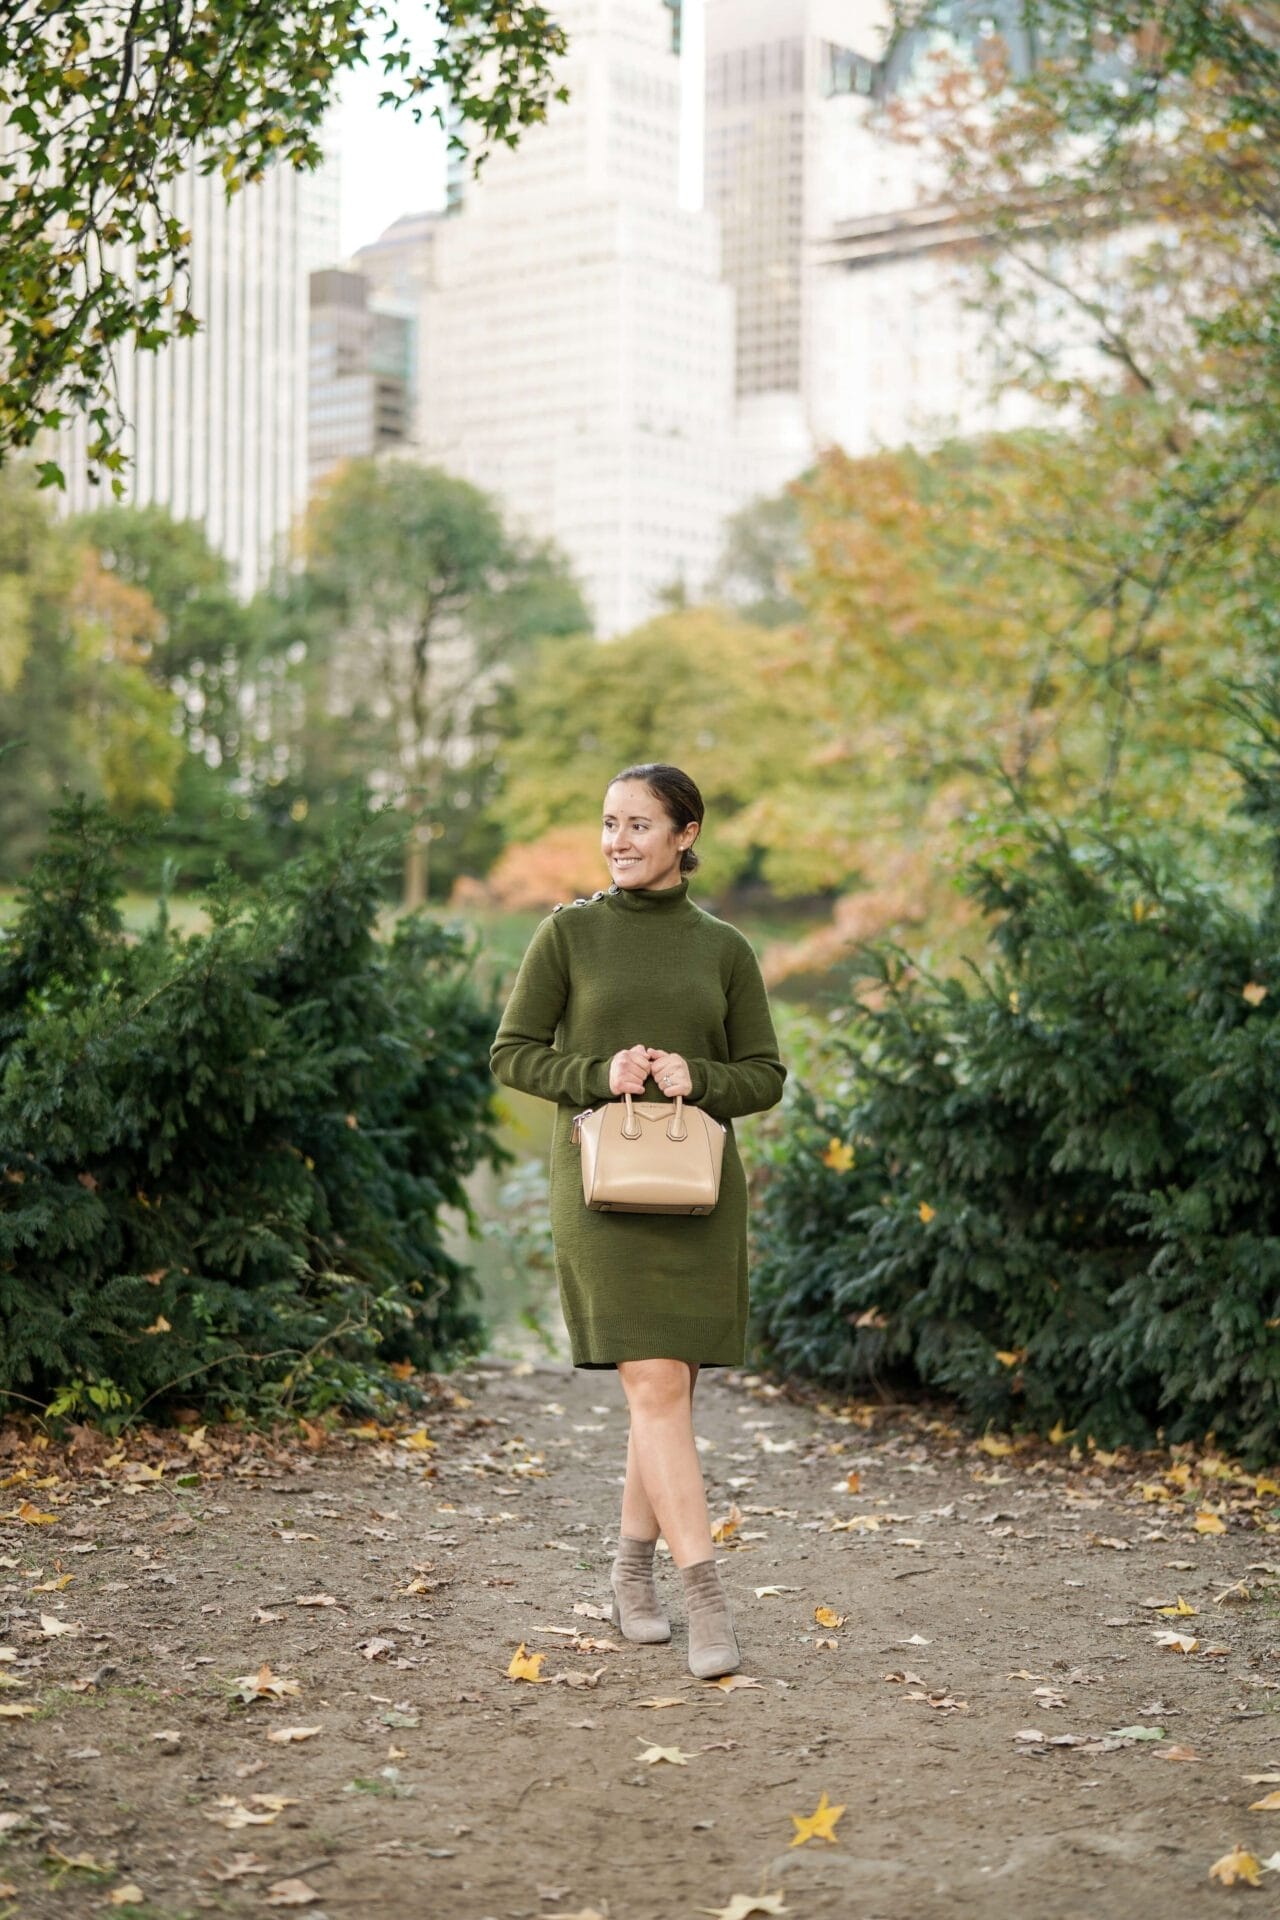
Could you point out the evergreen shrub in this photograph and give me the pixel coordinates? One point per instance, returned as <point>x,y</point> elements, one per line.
<point>1052,1187</point>
<point>223,1158</point>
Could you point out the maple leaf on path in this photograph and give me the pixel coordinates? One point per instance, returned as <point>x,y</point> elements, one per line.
<point>744,1905</point>
<point>526,1666</point>
<point>1238,1865</point>
<point>290,1893</point>
<point>819,1825</point>
<point>265,1685</point>
<point>652,1755</point>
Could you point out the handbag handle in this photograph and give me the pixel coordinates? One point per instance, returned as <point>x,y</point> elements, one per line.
<point>676,1128</point>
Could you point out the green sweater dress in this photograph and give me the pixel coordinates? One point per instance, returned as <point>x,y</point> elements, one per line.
<point>646,966</point>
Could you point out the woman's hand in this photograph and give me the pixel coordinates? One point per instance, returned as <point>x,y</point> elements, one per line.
<point>629,1069</point>
<point>671,1072</point>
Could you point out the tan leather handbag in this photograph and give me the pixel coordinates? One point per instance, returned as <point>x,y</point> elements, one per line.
<point>648,1156</point>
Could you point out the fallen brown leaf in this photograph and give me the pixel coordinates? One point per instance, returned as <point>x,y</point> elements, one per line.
<point>265,1685</point>
<point>290,1893</point>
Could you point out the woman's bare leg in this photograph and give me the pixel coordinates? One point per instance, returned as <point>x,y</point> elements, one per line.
<point>662,1459</point>
<point>639,1520</point>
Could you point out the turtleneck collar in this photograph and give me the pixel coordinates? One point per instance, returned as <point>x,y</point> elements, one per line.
<point>648,899</point>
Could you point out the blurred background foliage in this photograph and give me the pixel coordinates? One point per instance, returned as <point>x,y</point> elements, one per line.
<point>987,705</point>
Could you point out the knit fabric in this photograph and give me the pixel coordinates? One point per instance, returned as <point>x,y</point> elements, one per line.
<point>643,965</point>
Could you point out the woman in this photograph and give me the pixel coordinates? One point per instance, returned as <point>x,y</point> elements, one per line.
<point>640,991</point>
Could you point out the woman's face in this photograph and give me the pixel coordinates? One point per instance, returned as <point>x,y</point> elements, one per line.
<point>638,838</point>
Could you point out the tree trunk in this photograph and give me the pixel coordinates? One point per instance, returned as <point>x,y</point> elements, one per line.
<point>415,863</point>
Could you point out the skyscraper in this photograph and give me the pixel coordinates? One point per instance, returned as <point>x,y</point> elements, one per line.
<point>216,426</point>
<point>576,353</point>
<point>852,326</point>
<point>358,382</point>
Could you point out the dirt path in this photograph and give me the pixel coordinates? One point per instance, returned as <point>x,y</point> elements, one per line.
<point>437,1786</point>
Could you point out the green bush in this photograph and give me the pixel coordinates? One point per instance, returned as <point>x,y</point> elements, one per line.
<point>223,1158</point>
<point>1064,1198</point>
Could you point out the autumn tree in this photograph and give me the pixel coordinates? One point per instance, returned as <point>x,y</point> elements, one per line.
<point>1127,180</point>
<point>700,688</point>
<point>102,106</point>
<point>207,638</point>
<point>430,605</point>
<point>78,703</point>
<point>763,551</point>
<point>1048,617</point>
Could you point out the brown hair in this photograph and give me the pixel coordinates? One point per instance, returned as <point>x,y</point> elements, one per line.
<point>677,794</point>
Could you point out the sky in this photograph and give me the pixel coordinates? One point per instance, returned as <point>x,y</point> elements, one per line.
<point>386,165</point>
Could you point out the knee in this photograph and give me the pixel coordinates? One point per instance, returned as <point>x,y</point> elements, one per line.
<point>656,1387</point>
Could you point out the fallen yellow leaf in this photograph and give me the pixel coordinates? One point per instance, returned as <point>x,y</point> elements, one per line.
<point>1269,1803</point>
<point>526,1666</point>
<point>819,1825</point>
<point>126,1896</point>
<point>1236,1865</point>
<point>996,1448</point>
<point>33,1516</point>
<point>726,1528</point>
<point>828,1617</point>
<point>1207,1522</point>
<point>286,1736</point>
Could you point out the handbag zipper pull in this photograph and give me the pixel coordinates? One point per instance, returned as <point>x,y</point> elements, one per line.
<point>575,1132</point>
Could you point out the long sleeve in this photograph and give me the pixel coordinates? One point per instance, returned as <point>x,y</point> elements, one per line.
<point>523,1055</point>
<point>752,1080</point>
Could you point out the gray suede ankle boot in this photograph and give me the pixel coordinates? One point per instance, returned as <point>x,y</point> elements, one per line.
<point>713,1646</point>
<point>637,1609</point>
